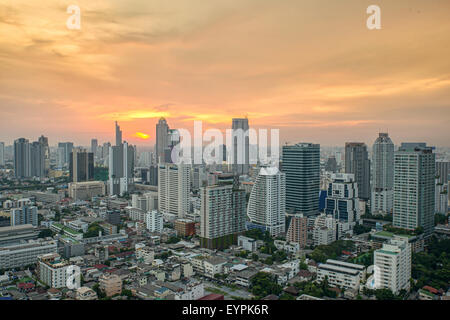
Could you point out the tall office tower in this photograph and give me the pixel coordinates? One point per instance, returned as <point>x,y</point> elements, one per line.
<point>342,198</point>
<point>37,159</point>
<point>22,158</point>
<point>174,182</point>
<point>442,171</point>
<point>153,175</point>
<point>24,215</point>
<point>118,135</point>
<point>414,187</point>
<point>357,162</point>
<point>331,165</point>
<point>301,164</point>
<point>64,150</point>
<point>241,146</point>
<point>44,142</point>
<point>393,265</point>
<point>105,149</point>
<point>121,169</point>
<point>94,146</point>
<point>297,230</point>
<point>267,202</point>
<point>382,196</point>
<point>81,165</point>
<point>162,139</point>
<point>441,198</point>
<point>2,154</point>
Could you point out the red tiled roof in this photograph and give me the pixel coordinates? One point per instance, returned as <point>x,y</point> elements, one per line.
<point>26,285</point>
<point>431,289</point>
<point>100,266</point>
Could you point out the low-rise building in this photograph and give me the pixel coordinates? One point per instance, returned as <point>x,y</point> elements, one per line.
<point>111,284</point>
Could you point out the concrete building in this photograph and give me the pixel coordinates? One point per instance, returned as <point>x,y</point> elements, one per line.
<point>111,284</point>
<point>64,150</point>
<point>17,234</point>
<point>185,227</point>
<point>382,196</point>
<point>81,165</point>
<point>342,198</point>
<point>86,190</point>
<point>443,171</point>
<point>414,187</point>
<point>357,162</point>
<point>343,274</point>
<point>86,293</point>
<point>55,272</point>
<point>154,221</point>
<point>393,265</point>
<point>297,231</point>
<point>241,146</point>
<point>24,215</point>
<point>24,254</point>
<point>247,244</point>
<point>222,213</point>
<point>121,168</point>
<point>266,205</point>
<point>174,189</point>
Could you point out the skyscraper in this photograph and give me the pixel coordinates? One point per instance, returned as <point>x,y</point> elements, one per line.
<point>342,199</point>
<point>37,159</point>
<point>162,140</point>
<point>121,168</point>
<point>267,203</point>
<point>64,150</point>
<point>81,165</point>
<point>357,162</point>
<point>442,171</point>
<point>44,142</point>
<point>94,146</point>
<point>222,213</point>
<point>174,182</point>
<point>414,187</point>
<point>118,135</point>
<point>241,146</point>
<point>382,196</point>
<point>22,158</point>
<point>2,154</point>
<point>301,164</point>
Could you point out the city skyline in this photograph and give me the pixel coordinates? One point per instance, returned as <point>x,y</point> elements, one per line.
<point>329,79</point>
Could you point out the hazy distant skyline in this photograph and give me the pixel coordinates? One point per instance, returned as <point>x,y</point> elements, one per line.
<point>309,68</point>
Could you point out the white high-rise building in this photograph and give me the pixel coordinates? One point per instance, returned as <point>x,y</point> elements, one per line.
<point>267,204</point>
<point>414,187</point>
<point>174,182</point>
<point>154,221</point>
<point>393,265</point>
<point>382,197</point>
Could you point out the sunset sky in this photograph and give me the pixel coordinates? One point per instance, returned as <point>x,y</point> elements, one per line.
<point>309,68</point>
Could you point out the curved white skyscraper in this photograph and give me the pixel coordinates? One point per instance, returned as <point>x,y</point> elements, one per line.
<point>382,198</point>
<point>267,204</point>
